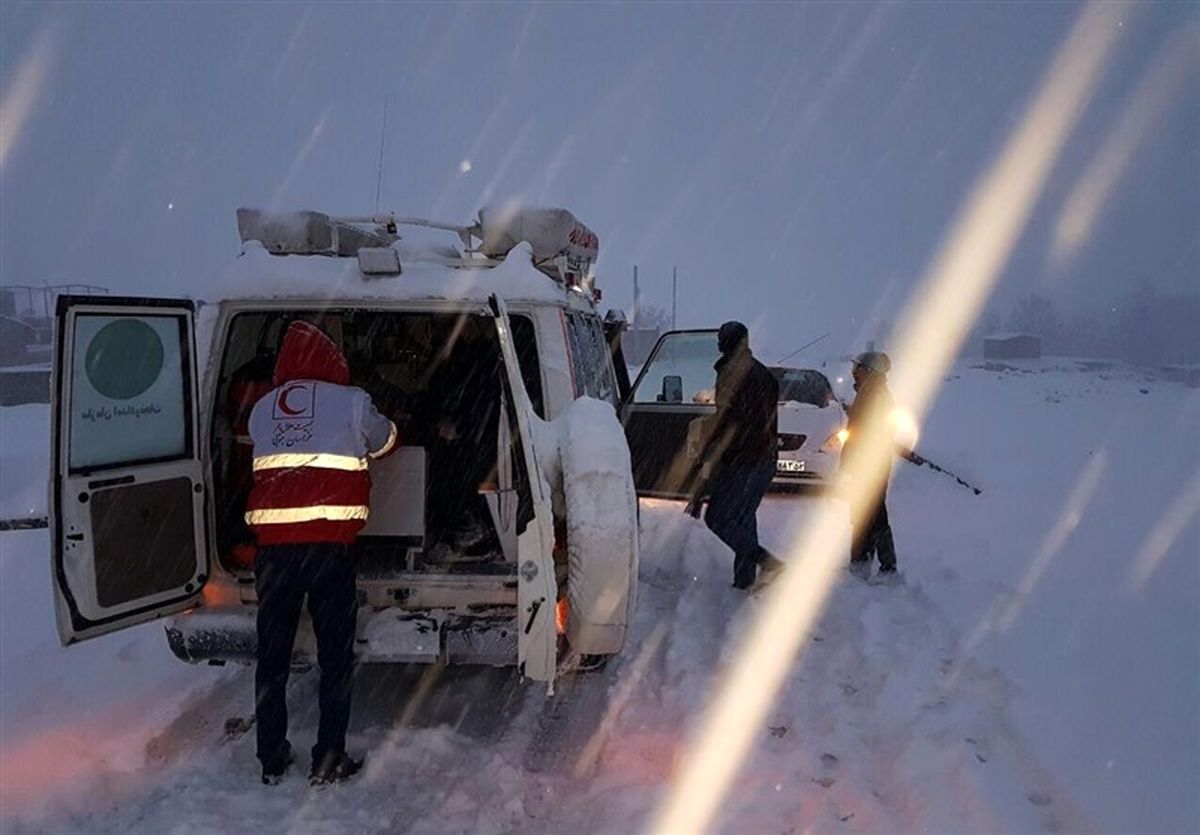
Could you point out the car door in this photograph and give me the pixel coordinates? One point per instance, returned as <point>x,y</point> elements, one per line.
<point>676,386</point>
<point>614,329</point>
<point>537,588</point>
<point>128,490</point>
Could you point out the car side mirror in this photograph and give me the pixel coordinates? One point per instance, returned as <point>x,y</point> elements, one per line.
<point>672,389</point>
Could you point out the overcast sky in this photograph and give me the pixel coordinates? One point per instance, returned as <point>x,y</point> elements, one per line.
<point>799,164</point>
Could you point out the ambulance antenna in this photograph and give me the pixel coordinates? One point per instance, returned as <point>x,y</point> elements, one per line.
<point>382,137</point>
<point>801,348</point>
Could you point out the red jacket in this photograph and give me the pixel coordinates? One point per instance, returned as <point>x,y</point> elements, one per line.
<point>313,435</point>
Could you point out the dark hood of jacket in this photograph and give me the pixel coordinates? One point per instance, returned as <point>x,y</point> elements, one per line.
<point>308,354</point>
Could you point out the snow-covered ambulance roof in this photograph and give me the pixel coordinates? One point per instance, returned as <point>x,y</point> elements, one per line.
<point>257,274</point>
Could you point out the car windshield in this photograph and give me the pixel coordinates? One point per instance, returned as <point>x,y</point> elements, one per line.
<point>680,370</point>
<point>803,385</point>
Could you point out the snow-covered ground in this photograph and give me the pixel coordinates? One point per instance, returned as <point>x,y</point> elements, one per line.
<point>24,458</point>
<point>1076,573</point>
<point>1039,670</point>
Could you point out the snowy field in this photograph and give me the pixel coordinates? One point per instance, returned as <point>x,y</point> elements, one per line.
<point>24,456</point>
<point>1037,671</point>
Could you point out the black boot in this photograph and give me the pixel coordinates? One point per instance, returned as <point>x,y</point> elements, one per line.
<point>885,547</point>
<point>334,768</point>
<point>861,568</point>
<point>274,769</point>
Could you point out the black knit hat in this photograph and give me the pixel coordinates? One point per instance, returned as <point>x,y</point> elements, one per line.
<point>731,335</point>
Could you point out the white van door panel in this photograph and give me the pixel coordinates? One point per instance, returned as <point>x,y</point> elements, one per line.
<point>537,589</point>
<point>128,490</point>
<point>502,502</point>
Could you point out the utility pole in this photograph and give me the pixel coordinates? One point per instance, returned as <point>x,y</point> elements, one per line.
<point>674,294</point>
<point>637,298</point>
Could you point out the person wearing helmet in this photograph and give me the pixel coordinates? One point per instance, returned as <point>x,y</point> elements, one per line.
<point>739,450</point>
<point>870,413</point>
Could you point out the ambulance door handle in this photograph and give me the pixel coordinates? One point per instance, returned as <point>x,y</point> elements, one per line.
<point>111,482</point>
<point>533,610</point>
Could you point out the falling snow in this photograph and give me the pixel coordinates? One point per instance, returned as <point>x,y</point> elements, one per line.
<point>805,168</point>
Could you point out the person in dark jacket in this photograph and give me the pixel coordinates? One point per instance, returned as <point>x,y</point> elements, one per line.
<point>870,415</point>
<point>313,435</point>
<point>740,448</point>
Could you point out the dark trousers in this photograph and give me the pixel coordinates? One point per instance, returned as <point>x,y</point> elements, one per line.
<point>284,574</point>
<point>735,493</point>
<point>872,536</point>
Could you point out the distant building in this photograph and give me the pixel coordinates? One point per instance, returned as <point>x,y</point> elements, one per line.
<point>26,330</point>
<point>1189,375</point>
<point>1012,346</point>
<point>15,339</point>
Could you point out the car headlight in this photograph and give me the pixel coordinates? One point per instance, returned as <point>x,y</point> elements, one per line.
<point>834,442</point>
<point>904,427</point>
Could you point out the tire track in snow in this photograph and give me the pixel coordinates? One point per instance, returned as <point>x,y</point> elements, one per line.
<point>870,733</point>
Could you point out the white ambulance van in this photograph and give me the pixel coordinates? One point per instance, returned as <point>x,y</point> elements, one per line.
<point>503,531</point>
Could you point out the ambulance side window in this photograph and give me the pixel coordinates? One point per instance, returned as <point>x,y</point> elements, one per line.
<point>590,358</point>
<point>605,378</point>
<point>575,345</point>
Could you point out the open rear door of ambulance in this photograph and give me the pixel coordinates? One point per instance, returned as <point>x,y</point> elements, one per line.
<point>127,499</point>
<point>537,588</point>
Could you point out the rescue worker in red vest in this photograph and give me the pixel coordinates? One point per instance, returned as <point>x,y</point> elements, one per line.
<point>313,436</point>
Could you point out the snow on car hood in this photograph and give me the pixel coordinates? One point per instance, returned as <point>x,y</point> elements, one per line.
<point>806,419</point>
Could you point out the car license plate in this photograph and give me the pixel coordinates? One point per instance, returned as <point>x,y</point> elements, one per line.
<point>787,465</point>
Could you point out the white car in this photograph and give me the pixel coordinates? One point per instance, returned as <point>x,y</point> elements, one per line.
<point>151,463</point>
<point>811,429</point>
<point>674,392</point>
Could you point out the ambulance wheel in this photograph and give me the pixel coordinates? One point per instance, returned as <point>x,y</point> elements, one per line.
<point>601,530</point>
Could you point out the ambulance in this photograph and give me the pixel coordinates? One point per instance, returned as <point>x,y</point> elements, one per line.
<point>504,529</point>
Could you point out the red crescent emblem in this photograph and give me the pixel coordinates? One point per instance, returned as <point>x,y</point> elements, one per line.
<point>284,406</point>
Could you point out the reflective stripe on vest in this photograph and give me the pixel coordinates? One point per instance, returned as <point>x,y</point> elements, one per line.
<point>293,515</point>
<point>316,460</point>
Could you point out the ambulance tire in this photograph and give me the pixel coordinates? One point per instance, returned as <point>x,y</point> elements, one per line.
<point>602,537</point>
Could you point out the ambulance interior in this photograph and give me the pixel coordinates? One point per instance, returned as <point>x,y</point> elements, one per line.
<point>454,495</point>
